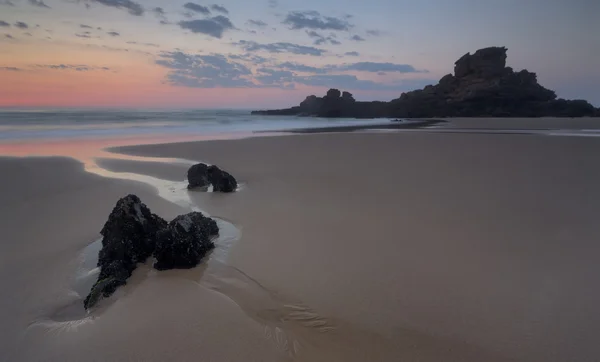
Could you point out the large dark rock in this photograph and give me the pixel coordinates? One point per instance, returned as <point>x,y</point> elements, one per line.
<point>221,180</point>
<point>482,86</point>
<point>202,175</point>
<point>198,176</point>
<point>129,237</point>
<point>132,234</point>
<point>185,241</point>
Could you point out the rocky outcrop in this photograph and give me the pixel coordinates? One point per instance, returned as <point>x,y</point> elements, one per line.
<point>128,238</point>
<point>132,234</point>
<point>481,86</point>
<point>202,175</point>
<point>185,241</point>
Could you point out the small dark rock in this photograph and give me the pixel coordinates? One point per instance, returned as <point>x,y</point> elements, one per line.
<point>185,241</point>
<point>201,175</point>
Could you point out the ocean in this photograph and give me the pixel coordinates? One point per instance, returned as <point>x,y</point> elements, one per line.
<point>53,124</point>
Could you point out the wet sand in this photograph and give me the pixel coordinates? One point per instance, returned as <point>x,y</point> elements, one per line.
<point>473,246</point>
<point>354,247</point>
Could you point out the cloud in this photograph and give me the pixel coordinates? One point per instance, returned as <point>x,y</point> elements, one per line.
<point>11,69</point>
<point>379,67</point>
<point>297,67</point>
<point>8,36</point>
<point>39,3</point>
<point>146,44</point>
<point>320,39</point>
<point>113,33</point>
<point>214,27</point>
<point>271,77</point>
<point>4,24</point>
<point>351,82</point>
<point>7,3</point>
<point>314,20</point>
<point>357,38</point>
<point>251,46</point>
<point>28,34</point>
<point>74,67</point>
<point>256,59</point>
<point>131,6</point>
<point>258,23</point>
<point>83,26</point>
<point>197,8</point>
<point>374,32</point>
<point>204,71</point>
<point>21,25</point>
<point>352,54</point>
<point>83,35</point>
<point>273,4</point>
<point>160,13</point>
<point>220,9</point>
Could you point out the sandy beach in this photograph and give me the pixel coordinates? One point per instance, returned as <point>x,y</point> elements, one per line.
<point>354,246</point>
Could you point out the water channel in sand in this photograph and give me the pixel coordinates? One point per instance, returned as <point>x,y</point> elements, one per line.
<point>289,324</point>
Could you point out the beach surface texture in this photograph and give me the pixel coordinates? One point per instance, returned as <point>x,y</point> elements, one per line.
<point>476,240</point>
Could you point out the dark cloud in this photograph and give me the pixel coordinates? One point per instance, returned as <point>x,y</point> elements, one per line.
<point>27,34</point>
<point>197,8</point>
<point>83,26</point>
<point>357,38</point>
<point>131,6</point>
<point>164,22</point>
<point>373,32</point>
<point>7,3</point>
<point>8,36</point>
<point>251,46</point>
<point>21,25</point>
<point>258,23</point>
<point>74,67</point>
<point>321,39</point>
<point>381,73</point>
<point>39,3</point>
<point>214,27</point>
<point>11,69</point>
<point>219,9</point>
<point>273,4</point>
<point>113,33</point>
<point>297,67</point>
<point>83,35</point>
<point>256,59</point>
<point>379,67</point>
<point>160,13</point>
<point>352,54</point>
<point>314,20</point>
<point>204,71</point>
<point>4,24</point>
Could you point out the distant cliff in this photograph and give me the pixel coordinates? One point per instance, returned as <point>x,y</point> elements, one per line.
<point>482,86</point>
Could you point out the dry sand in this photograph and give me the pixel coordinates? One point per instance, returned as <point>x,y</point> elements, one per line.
<point>354,247</point>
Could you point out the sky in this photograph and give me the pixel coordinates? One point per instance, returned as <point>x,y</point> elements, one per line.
<point>273,53</point>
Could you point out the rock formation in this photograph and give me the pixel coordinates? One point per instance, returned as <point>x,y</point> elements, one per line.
<point>132,234</point>
<point>481,86</point>
<point>184,242</point>
<point>202,175</point>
